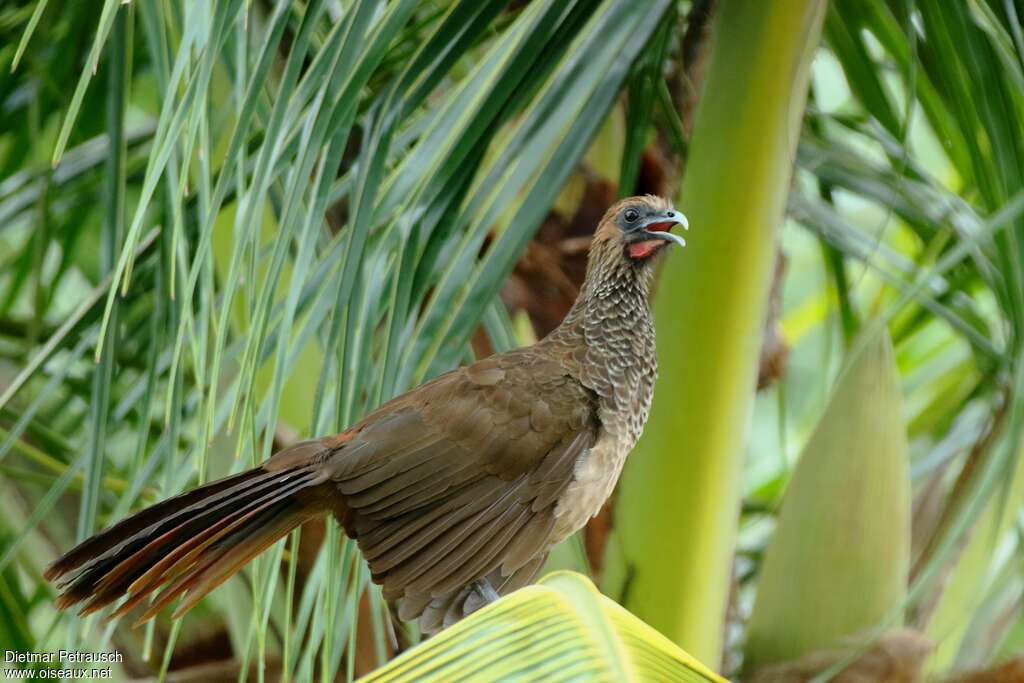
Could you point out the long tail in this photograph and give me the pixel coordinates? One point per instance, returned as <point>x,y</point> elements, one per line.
<point>194,541</point>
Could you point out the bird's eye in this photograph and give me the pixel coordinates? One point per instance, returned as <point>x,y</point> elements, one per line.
<point>631,215</point>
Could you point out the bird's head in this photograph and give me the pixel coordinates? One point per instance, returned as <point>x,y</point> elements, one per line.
<point>638,228</point>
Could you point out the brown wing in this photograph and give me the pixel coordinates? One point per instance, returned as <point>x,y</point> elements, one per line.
<point>460,477</point>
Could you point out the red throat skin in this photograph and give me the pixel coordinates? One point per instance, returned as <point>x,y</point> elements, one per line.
<point>645,249</point>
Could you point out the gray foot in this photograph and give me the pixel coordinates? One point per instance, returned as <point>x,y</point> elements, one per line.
<point>485,590</point>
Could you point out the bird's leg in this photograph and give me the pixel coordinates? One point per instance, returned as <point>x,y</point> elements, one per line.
<point>483,588</point>
<point>481,593</point>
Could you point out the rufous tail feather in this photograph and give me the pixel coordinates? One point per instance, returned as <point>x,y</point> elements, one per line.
<point>191,543</point>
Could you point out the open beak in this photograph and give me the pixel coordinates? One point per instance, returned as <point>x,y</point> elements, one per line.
<point>659,227</point>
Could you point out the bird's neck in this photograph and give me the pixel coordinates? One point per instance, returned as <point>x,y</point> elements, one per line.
<point>613,301</point>
<point>607,339</point>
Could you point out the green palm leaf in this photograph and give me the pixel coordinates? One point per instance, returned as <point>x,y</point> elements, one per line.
<point>561,629</point>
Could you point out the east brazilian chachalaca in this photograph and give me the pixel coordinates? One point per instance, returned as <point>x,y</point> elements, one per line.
<point>454,491</point>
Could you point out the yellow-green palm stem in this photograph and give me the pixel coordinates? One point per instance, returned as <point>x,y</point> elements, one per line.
<point>677,513</point>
